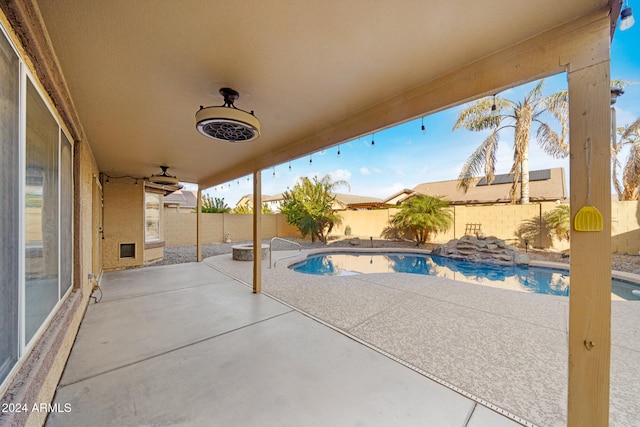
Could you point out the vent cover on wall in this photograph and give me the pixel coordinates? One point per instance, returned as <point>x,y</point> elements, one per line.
<point>227,123</point>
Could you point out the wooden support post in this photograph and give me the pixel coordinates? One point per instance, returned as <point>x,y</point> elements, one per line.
<point>199,226</point>
<point>257,231</point>
<point>590,297</point>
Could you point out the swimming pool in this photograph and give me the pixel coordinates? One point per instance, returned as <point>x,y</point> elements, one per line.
<point>521,278</point>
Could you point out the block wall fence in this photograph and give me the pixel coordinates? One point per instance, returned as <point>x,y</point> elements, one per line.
<point>508,222</point>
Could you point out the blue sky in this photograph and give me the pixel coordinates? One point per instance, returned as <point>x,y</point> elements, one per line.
<point>404,157</point>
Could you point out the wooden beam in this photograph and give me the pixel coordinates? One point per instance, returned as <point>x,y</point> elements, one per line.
<point>199,226</point>
<point>257,231</point>
<point>590,295</point>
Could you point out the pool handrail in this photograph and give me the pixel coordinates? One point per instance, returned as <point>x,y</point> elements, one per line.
<point>283,240</point>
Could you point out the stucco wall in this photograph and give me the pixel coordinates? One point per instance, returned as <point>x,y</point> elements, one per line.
<point>123,223</point>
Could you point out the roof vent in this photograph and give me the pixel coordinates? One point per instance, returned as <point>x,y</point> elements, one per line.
<point>227,123</point>
<point>163,178</point>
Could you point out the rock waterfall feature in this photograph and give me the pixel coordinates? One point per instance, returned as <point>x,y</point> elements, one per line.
<point>489,250</point>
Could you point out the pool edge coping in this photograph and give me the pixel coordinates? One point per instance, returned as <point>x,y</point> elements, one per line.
<point>620,275</point>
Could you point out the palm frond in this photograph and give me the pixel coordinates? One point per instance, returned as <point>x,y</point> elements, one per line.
<point>482,161</point>
<point>477,116</point>
<point>552,143</point>
<point>631,174</point>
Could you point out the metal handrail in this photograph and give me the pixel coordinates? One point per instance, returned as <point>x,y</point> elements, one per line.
<point>287,241</point>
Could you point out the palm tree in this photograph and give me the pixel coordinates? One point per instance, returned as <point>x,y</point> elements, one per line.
<point>629,136</point>
<point>309,206</point>
<point>559,221</point>
<point>423,215</point>
<point>521,116</point>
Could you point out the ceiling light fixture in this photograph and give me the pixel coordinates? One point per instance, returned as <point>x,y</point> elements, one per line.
<point>626,18</point>
<point>227,123</point>
<point>164,178</point>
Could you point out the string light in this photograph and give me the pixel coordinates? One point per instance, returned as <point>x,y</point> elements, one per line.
<point>289,166</point>
<point>373,142</point>
<point>424,130</point>
<point>274,171</point>
<point>494,108</point>
<point>338,151</point>
<point>310,160</point>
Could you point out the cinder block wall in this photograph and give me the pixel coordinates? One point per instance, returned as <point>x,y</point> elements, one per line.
<point>507,222</point>
<point>180,228</point>
<point>625,227</point>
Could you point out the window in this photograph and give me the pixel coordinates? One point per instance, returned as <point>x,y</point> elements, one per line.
<point>36,213</point>
<point>152,217</point>
<point>10,206</point>
<point>66,214</point>
<point>41,213</point>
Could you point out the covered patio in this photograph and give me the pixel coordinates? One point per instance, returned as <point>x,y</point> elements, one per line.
<point>189,345</point>
<point>110,91</point>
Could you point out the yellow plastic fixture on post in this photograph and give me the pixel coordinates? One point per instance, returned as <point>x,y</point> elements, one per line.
<point>588,218</point>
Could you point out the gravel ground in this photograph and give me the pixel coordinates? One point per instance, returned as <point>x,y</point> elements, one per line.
<point>183,254</point>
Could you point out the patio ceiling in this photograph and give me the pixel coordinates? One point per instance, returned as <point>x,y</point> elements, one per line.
<point>137,71</point>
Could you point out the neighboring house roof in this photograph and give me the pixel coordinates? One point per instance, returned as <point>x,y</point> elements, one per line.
<point>247,199</point>
<point>353,201</point>
<point>182,199</point>
<point>399,197</point>
<point>544,185</point>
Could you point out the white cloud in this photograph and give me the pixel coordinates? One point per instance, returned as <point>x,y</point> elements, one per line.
<point>365,170</point>
<point>341,174</point>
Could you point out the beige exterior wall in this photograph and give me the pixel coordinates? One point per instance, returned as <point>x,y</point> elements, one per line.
<point>625,227</point>
<point>180,229</point>
<point>123,223</point>
<point>366,223</point>
<point>508,222</point>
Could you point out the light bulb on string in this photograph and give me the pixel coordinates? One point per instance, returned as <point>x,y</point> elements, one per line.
<point>424,130</point>
<point>310,160</point>
<point>338,151</point>
<point>494,108</point>
<point>274,172</point>
<point>289,166</point>
<point>373,142</point>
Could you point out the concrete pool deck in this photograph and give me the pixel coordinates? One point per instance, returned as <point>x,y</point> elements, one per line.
<point>504,347</point>
<point>189,345</point>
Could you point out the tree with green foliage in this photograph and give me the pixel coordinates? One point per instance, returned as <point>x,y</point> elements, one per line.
<point>522,117</point>
<point>308,206</point>
<point>248,209</point>
<point>423,215</point>
<point>211,205</point>
<point>559,221</point>
<point>243,210</point>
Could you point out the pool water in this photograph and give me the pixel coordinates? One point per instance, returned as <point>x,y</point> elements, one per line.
<point>521,278</point>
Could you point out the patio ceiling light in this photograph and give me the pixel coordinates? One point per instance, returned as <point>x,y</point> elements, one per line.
<point>227,123</point>
<point>163,178</point>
